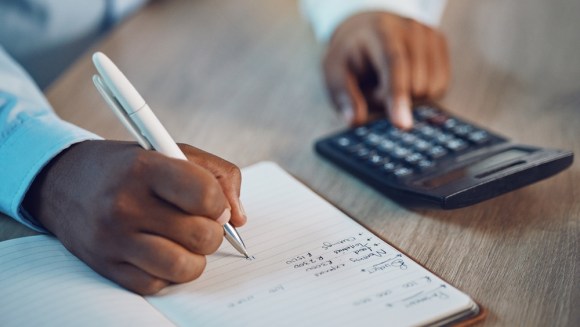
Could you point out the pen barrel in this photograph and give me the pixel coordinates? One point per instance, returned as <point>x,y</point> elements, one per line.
<point>152,130</point>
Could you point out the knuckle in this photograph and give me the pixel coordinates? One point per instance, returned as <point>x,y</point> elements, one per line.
<point>140,163</point>
<point>151,287</point>
<point>394,56</point>
<point>198,268</point>
<point>178,266</point>
<point>420,89</point>
<point>117,209</point>
<point>208,238</point>
<point>233,171</point>
<point>209,197</point>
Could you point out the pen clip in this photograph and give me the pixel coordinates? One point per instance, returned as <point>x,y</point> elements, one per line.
<point>117,108</point>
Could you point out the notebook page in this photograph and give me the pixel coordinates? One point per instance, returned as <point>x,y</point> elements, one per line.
<point>312,266</point>
<point>42,284</point>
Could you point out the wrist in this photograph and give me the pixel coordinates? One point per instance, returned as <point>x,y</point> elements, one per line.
<point>42,197</point>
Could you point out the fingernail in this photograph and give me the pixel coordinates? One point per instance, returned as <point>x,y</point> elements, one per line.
<point>225,217</point>
<point>345,108</point>
<point>243,210</point>
<point>347,114</point>
<point>405,116</point>
<point>400,113</point>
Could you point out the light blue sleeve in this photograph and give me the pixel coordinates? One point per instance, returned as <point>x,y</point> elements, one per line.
<point>31,134</point>
<point>326,15</point>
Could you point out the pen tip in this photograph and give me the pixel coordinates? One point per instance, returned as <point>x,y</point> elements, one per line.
<point>247,255</point>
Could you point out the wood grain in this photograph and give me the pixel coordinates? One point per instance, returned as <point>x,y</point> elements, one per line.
<point>241,78</point>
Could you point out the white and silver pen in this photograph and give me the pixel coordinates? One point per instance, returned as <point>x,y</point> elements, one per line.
<point>132,110</point>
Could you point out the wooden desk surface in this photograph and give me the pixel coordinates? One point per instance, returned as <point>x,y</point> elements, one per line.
<point>241,78</point>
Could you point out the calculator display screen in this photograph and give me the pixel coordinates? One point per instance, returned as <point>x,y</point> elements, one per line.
<point>479,168</point>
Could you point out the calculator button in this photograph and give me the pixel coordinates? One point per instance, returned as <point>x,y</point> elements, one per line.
<point>414,158</point>
<point>450,123</point>
<point>373,138</point>
<point>408,138</point>
<point>395,133</point>
<point>389,167</point>
<point>462,129</point>
<point>400,152</point>
<point>426,130</point>
<point>402,172</point>
<point>442,137</point>
<point>425,164</point>
<point>456,145</point>
<point>343,141</point>
<point>377,160</point>
<point>437,152</point>
<point>361,131</point>
<point>386,145</point>
<point>425,112</point>
<point>421,145</point>
<point>479,137</point>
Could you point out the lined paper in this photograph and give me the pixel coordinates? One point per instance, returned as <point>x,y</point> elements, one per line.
<point>42,284</point>
<point>312,266</point>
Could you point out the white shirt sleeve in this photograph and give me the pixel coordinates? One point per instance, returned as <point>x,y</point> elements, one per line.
<point>31,134</point>
<point>326,15</point>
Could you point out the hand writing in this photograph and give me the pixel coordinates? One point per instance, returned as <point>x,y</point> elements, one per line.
<point>137,217</point>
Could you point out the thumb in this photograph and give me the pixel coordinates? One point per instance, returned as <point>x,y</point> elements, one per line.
<point>346,94</point>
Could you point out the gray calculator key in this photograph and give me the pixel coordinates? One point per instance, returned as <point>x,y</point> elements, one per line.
<point>395,133</point>
<point>426,130</point>
<point>373,138</point>
<point>387,145</point>
<point>402,172</point>
<point>377,160</point>
<point>425,164</point>
<point>408,138</point>
<point>344,141</point>
<point>389,167</point>
<point>456,145</point>
<point>437,152</point>
<point>400,152</point>
<point>422,145</point>
<point>442,137</point>
<point>479,137</point>
<point>450,123</point>
<point>462,129</point>
<point>361,131</point>
<point>414,158</point>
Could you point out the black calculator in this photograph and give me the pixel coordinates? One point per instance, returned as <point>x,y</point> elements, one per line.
<point>443,161</point>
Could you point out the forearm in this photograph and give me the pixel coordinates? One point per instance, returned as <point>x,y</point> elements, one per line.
<point>31,134</point>
<point>326,15</point>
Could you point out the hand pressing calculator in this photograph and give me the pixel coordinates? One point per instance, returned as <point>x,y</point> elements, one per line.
<point>443,161</point>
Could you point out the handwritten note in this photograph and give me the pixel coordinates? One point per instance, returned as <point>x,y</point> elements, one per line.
<point>311,265</point>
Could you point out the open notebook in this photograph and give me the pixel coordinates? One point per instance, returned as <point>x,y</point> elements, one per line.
<point>312,266</point>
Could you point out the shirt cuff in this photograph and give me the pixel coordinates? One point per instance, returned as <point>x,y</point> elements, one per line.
<point>326,15</point>
<point>30,146</point>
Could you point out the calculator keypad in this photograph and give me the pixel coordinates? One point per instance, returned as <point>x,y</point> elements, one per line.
<point>400,154</point>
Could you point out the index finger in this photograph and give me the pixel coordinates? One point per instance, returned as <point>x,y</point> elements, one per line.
<point>187,186</point>
<point>227,175</point>
<point>343,88</point>
<point>390,59</point>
